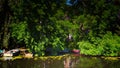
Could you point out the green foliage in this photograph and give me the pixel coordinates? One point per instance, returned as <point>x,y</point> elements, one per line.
<point>108,45</point>
<point>22,34</point>
<point>89,49</point>
<point>19,30</point>
<point>57,45</point>
<point>40,24</point>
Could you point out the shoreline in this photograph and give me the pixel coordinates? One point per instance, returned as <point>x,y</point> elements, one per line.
<point>58,57</point>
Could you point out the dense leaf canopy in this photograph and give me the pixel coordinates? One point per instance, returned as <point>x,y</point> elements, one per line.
<point>42,25</point>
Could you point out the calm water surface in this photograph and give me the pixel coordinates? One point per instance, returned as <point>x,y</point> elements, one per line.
<point>64,62</point>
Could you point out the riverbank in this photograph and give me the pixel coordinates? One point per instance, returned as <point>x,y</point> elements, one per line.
<point>35,57</point>
<point>44,58</point>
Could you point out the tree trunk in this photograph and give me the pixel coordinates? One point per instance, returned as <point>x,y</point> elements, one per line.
<point>6,22</point>
<point>6,33</point>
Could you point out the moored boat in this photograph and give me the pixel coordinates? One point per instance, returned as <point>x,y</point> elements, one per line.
<point>7,54</point>
<point>76,51</point>
<point>28,55</point>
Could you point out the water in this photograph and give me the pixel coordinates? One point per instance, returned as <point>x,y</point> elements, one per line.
<point>62,62</point>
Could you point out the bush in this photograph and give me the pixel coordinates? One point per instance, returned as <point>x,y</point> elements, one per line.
<point>108,45</point>
<point>89,49</point>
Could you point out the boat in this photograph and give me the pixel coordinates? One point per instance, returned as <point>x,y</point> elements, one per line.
<point>28,55</point>
<point>10,53</point>
<point>76,51</point>
<point>7,54</point>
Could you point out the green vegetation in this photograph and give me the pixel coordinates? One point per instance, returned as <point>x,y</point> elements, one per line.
<point>108,45</point>
<point>39,24</point>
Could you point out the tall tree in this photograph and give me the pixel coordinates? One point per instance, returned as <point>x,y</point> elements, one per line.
<point>5,17</point>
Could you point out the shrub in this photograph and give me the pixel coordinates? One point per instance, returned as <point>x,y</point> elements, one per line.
<point>108,45</point>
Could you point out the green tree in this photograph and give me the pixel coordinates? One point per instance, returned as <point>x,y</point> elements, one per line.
<point>39,24</point>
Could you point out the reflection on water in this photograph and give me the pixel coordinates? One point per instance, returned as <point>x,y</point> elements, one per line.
<point>65,62</point>
<point>70,61</point>
<point>7,58</point>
